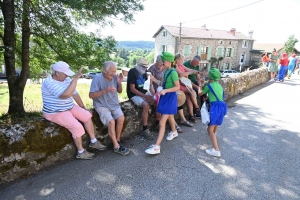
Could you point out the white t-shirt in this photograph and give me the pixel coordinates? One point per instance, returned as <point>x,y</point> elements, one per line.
<point>51,91</point>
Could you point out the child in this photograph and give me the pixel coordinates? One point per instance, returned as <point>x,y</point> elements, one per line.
<point>218,109</point>
<point>284,61</point>
<point>167,104</point>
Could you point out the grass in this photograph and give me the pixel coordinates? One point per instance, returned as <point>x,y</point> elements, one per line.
<point>33,97</point>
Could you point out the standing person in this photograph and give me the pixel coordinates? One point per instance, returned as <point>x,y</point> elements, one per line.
<point>136,93</point>
<point>273,67</point>
<point>103,91</point>
<point>283,62</point>
<point>58,92</point>
<point>157,70</point>
<point>167,105</point>
<point>191,97</point>
<point>265,59</point>
<point>218,109</point>
<point>291,65</point>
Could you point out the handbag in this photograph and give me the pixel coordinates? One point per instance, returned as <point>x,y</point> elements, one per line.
<point>188,84</point>
<point>204,114</point>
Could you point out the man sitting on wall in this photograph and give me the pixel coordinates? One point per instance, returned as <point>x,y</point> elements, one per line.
<point>195,78</point>
<point>103,91</point>
<point>136,93</point>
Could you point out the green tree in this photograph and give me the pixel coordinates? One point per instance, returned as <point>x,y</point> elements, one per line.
<point>289,45</point>
<point>50,27</point>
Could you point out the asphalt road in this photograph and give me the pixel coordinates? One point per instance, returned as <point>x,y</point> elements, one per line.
<point>259,141</point>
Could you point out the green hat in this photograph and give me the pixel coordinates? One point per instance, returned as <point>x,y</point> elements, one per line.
<point>214,74</point>
<point>166,56</point>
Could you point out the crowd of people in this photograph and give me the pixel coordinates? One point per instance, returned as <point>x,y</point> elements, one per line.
<point>280,66</point>
<point>169,77</point>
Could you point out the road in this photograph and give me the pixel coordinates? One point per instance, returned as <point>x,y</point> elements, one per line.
<point>259,141</point>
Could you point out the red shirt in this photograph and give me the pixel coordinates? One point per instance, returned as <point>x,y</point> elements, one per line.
<point>284,61</point>
<point>266,59</point>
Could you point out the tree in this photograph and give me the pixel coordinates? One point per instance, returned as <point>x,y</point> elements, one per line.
<point>289,45</point>
<point>214,60</point>
<point>50,27</point>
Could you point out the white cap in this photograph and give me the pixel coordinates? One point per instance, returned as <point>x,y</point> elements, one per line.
<point>63,67</point>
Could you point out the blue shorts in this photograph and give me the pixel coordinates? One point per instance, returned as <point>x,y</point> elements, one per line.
<point>218,110</point>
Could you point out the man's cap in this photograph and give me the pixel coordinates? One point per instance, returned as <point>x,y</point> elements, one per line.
<point>180,98</point>
<point>214,74</point>
<point>142,62</point>
<point>63,67</point>
<point>166,56</point>
<point>294,55</point>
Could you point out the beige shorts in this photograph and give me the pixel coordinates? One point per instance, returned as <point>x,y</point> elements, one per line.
<point>107,115</point>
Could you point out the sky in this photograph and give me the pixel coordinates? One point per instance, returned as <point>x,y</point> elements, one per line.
<point>272,21</point>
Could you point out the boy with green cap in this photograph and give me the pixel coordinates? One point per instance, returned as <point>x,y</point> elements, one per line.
<point>218,109</point>
<point>167,105</point>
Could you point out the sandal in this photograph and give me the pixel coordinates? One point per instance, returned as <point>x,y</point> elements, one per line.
<point>192,119</point>
<point>179,130</point>
<point>186,123</point>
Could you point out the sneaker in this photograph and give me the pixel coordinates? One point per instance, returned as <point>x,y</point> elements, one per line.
<point>122,150</point>
<point>153,149</point>
<point>213,152</point>
<point>97,145</point>
<point>146,133</point>
<point>172,135</point>
<point>272,80</point>
<point>85,155</point>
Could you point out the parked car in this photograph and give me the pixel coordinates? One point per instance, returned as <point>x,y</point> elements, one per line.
<point>90,75</point>
<point>228,73</point>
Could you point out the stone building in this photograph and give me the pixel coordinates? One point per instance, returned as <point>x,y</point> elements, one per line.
<point>231,45</point>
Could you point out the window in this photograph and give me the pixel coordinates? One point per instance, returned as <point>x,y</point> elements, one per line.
<point>164,33</point>
<point>187,50</point>
<point>163,48</point>
<point>245,44</point>
<point>204,50</point>
<point>229,52</point>
<point>220,41</point>
<point>229,43</point>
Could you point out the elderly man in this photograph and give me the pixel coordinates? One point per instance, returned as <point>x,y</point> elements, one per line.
<point>136,93</point>
<point>58,92</point>
<point>103,91</point>
<point>195,78</point>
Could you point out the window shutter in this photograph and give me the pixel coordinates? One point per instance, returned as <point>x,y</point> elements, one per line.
<point>208,68</point>
<point>208,53</point>
<point>160,48</point>
<point>220,52</point>
<point>226,49</point>
<point>230,66</point>
<point>224,66</point>
<point>232,52</point>
<point>199,51</point>
<point>187,50</point>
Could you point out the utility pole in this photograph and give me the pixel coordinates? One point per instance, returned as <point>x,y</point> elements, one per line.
<point>179,41</point>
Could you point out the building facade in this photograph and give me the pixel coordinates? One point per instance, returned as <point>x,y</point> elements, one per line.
<point>232,46</point>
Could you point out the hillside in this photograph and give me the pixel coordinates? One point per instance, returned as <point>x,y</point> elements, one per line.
<point>136,44</point>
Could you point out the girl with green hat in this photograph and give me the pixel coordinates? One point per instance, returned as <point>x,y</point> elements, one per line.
<point>167,104</point>
<point>218,109</point>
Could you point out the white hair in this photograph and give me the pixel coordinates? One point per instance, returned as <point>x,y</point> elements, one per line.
<point>108,64</point>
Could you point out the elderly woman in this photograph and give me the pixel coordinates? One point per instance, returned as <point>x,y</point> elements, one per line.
<point>191,99</point>
<point>58,92</point>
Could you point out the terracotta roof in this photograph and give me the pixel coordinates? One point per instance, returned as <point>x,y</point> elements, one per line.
<point>202,33</point>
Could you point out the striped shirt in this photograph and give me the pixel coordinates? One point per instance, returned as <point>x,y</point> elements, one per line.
<point>51,91</point>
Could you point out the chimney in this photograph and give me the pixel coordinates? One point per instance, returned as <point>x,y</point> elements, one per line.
<point>203,26</point>
<point>232,31</point>
<point>251,33</point>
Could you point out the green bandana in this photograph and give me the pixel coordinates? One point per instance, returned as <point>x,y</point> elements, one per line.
<point>214,74</point>
<point>166,56</point>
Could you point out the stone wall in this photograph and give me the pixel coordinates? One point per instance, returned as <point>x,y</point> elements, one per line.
<point>29,147</point>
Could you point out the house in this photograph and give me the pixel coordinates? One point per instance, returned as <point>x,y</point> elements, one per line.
<point>260,48</point>
<point>231,45</point>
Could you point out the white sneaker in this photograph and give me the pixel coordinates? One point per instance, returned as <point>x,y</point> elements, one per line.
<point>272,80</point>
<point>153,149</point>
<point>172,135</point>
<point>213,152</point>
